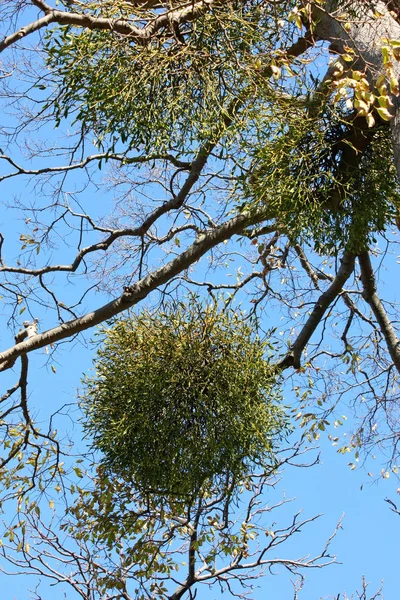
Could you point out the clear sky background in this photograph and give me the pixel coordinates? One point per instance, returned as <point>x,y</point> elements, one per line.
<point>368,542</point>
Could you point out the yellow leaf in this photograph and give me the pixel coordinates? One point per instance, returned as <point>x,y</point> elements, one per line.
<point>385,102</point>
<point>357,75</point>
<point>367,97</point>
<point>276,72</point>
<point>380,81</point>
<point>270,533</point>
<point>361,106</point>
<point>384,114</point>
<point>364,84</point>
<point>394,86</point>
<point>386,55</point>
<point>370,120</point>
<point>339,69</point>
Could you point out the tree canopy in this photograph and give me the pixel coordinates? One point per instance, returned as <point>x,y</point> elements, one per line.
<point>243,151</point>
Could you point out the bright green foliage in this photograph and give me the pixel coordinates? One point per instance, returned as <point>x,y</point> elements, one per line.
<point>166,94</point>
<point>229,79</point>
<point>183,400</point>
<point>301,175</point>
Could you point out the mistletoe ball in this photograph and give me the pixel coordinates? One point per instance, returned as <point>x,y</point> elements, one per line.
<point>182,400</point>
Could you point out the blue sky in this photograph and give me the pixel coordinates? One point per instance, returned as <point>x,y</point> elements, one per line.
<point>368,542</point>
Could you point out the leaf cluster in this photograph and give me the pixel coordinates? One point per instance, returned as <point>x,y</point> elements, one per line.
<point>169,93</point>
<point>322,188</point>
<point>177,91</point>
<point>183,400</point>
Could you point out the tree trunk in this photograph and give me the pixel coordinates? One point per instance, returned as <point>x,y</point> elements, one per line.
<point>358,26</point>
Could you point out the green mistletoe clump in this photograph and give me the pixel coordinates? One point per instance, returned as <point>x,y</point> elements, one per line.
<point>183,400</point>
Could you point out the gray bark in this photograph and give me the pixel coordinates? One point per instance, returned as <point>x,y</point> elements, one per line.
<point>140,290</point>
<point>364,35</point>
<point>371,296</point>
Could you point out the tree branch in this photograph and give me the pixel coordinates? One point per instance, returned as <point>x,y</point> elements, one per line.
<point>134,294</point>
<point>183,14</point>
<point>292,359</point>
<point>370,295</point>
<point>124,160</point>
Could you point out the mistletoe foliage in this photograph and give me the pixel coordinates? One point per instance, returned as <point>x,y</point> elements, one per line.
<point>313,178</point>
<point>169,93</point>
<point>183,400</point>
<point>231,79</point>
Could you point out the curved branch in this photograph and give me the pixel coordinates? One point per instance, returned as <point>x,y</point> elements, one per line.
<point>184,165</point>
<point>292,359</point>
<point>188,12</point>
<point>140,290</point>
<point>370,295</point>
<point>174,203</point>
<point>27,30</point>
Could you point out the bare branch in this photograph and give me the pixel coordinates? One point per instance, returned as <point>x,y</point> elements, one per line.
<point>183,14</point>
<point>293,358</point>
<point>19,170</point>
<point>370,295</point>
<point>140,290</point>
